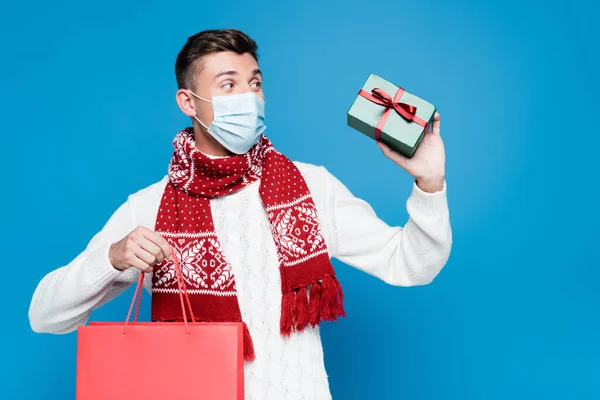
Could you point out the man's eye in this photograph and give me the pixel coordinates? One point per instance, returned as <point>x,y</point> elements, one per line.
<point>257,84</point>
<point>227,86</point>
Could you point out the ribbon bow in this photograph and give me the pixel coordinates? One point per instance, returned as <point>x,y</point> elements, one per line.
<point>381,97</point>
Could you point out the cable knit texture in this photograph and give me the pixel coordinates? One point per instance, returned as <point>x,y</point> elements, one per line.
<point>285,367</point>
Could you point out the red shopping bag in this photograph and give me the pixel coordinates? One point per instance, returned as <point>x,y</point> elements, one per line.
<point>160,360</point>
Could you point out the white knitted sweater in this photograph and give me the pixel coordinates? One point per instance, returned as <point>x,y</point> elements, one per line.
<point>285,368</point>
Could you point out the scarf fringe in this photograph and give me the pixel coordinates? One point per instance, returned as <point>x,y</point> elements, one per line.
<point>329,300</point>
<point>314,315</point>
<point>302,315</point>
<point>298,309</point>
<point>248,345</point>
<point>287,313</point>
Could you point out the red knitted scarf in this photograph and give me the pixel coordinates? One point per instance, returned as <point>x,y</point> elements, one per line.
<point>310,291</point>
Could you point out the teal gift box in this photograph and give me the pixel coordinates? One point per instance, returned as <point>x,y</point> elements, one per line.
<point>386,112</point>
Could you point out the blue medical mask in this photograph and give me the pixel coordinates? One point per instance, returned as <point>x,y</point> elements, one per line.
<point>238,120</point>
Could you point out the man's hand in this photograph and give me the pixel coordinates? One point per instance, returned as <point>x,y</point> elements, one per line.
<point>428,164</point>
<point>141,249</point>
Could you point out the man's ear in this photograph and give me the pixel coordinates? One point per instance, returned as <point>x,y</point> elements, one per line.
<point>185,102</point>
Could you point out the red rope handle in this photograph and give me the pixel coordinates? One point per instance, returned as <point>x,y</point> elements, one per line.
<point>140,290</point>
<point>136,300</point>
<point>137,295</point>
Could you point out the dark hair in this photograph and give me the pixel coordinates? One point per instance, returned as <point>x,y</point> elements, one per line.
<point>208,42</point>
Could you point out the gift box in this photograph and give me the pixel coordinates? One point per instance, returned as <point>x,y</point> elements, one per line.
<point>390,114</point>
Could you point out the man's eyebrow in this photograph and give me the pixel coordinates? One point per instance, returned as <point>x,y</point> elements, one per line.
<point>222,73</point>
<point>257,72</point>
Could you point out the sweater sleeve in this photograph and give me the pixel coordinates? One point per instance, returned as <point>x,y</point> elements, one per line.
<point>402,256</point>
<point>65,297</point>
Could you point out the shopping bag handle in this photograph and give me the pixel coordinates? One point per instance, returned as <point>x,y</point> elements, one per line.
<point>137,295</point>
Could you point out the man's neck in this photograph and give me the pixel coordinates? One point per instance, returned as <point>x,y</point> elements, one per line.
<point>208,144</point>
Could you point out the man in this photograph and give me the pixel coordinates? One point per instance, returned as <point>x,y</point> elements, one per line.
<point>254,232</point>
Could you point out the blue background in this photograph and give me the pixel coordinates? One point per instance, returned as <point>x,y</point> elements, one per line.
<point>88,115</point>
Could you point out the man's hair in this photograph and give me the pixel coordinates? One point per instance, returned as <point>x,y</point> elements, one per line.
<point>209,42</point>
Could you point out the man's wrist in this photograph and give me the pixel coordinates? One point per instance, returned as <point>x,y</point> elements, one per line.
<point>111,259</point>
<point>431,185</point>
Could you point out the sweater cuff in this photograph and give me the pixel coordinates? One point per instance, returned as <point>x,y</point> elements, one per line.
<point>429,203</point>
<point>100,270</point>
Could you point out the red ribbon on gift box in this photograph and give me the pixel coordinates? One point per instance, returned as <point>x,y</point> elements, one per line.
<point>381,97</point>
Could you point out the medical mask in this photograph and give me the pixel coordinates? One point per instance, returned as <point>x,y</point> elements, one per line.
<point>238,120</point>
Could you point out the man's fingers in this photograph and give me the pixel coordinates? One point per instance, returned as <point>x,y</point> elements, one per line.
<point>141,265</point>
<point>145,256</point>
<point>436,124</point>
<point>153,249</point>
<point>158,241</point>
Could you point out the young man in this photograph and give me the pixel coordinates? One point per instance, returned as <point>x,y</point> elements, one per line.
<point>254,231</point>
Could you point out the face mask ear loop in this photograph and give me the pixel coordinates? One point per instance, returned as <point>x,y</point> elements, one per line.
<point>203,99</point>
<point>198,97</point>
<point>200,122</point>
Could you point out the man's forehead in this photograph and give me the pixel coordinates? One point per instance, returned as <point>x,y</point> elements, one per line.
<point>216,63</point>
